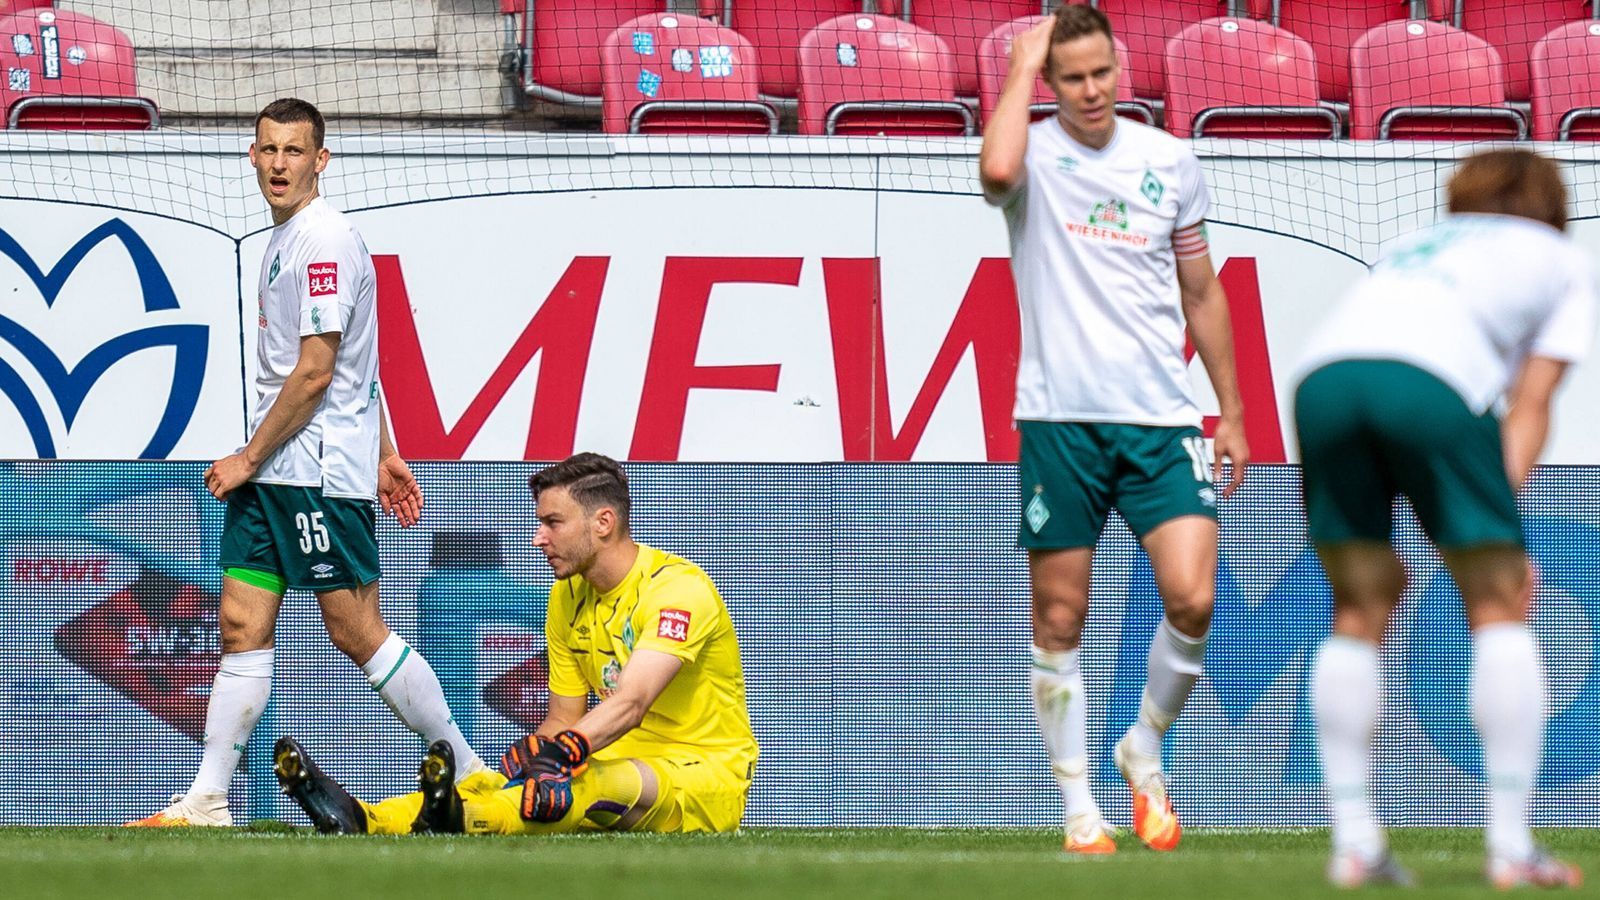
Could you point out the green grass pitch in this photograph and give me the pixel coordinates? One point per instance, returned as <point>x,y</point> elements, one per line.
<point>988,864</point>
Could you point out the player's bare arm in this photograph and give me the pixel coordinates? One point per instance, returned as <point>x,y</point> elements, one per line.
<point>646,675</point>
<point>564,713</point>
<point>1205,306</point>
<point>298,401</point>
<point>398,492</point>
<point>1005,138</point>
<point>1527,422</point>
<point>549,759</point>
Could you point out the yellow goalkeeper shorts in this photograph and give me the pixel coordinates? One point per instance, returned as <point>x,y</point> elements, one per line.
<point>697,794</point>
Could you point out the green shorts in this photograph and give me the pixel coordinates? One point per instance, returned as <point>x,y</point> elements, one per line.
<point>314,543</point>
<point>1071,474</point>
<point>1374,429</point>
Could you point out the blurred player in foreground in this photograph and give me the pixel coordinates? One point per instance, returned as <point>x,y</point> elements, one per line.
<point>1111,261</point>
<point>1404,384</point>
<point>668,748</point>
<point>300,493</point>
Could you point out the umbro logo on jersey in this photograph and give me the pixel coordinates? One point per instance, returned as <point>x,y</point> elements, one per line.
<point>322,570</point>
<point>1067,164</point>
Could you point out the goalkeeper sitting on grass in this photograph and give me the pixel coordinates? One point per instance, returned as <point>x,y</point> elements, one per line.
<point>668,747</point>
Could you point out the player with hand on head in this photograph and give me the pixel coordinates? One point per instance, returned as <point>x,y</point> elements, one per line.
<point>1112,265</point>
<point>300,493</point>
<point>1400,394</point>
<point>668,748</point>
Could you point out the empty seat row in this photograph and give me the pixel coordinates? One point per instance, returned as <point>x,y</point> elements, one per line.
<point>858,74</point>
<point>65,70</point>
<point>871,74</point>
<point>667,73</point>
<point>1408,79</point>
<point>558,37</point>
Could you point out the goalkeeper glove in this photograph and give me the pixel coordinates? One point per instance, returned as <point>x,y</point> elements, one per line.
<point>569,750</point>
<point>546,766</point>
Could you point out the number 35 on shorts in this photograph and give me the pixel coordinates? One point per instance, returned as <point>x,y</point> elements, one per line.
<point>313,533</point>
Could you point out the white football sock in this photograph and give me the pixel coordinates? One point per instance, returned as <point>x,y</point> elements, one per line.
<point>1175,663</point>
<point>1508,706</point>
<point>1345,694</point>
<point>239,695</point>
<point>409,686</point>
<point>1063,714</point>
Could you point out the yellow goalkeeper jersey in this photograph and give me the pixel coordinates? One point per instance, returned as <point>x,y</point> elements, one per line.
<point>666,603</point>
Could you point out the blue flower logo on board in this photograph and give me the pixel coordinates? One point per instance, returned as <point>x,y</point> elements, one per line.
<point>69,387</point>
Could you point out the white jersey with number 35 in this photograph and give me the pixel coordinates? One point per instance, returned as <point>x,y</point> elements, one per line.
<point>1096,274</point>
<point>317,278</point>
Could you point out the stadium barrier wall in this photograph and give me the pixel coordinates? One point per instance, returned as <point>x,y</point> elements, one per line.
<point>668,299</point>
<point>765,318</point>
<point>882,618</point>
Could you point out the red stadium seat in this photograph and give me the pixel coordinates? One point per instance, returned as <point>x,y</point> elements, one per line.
<point>1566,84</point>
<point>561,39</point>
<point>870,74</point>
<point>994,57</point>
<point>775,27</point>
<point>964,24</point>
<point>1428,81</point>
<point>1246,79</point>
<point>1514,26</point>
<point>1145,26</point>
<point>69,71</point>
<point>668,73</point>
<point>1332,26</point>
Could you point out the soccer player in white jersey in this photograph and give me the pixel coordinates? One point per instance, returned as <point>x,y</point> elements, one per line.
<point>1109,252</point>
<point>300,493</point>
<point>1402,392</point>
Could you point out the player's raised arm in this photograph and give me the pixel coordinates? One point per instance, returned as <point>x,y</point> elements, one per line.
<point>1005,137</point>
<point>1205,307</point>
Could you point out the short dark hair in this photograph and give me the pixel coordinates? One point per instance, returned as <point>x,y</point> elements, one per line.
<point>289,110</point>
<point>1073,21</point>
<point>594,480</point>
<point>1510,182</point>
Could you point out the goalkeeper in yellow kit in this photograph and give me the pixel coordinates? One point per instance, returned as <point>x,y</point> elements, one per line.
<point>668,748</point>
